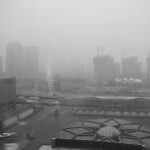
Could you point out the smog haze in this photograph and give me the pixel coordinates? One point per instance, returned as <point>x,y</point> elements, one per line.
<point>72,30</point>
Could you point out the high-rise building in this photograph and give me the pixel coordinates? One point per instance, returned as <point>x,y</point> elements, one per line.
<point>148,68</point>
<point>131,67</point>
<point>105,69</point>
<point>14,60</point>
<point>31,63</point>
<point>1,66</point>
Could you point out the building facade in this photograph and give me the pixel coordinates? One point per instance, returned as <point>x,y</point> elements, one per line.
<point>14,60</point>
<point>148,71</point>
<point>42,85</point>
<point>7,90</point>
<point>148,66</point>
<point>131,67</point>
<point>66,84</point>
<point>31,63</point>
<point>1,67</point>
<point>105,69</point>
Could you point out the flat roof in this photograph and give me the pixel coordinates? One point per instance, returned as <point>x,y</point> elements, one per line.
<point>116,97</point>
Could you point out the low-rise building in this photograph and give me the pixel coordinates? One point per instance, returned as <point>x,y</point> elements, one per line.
<point>69,84</point>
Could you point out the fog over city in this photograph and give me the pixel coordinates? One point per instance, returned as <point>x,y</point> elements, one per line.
<point>75,74</point>
<point>71,31</point>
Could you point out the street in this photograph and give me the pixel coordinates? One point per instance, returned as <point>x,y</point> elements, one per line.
<point>43,126</point>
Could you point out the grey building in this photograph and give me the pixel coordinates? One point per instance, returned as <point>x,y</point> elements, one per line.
<point>131,67</point>
<point>148,69</point>
<point>1,66</point>
<point>14,60</point>
<point>31,63</point>
<point>105,69</point>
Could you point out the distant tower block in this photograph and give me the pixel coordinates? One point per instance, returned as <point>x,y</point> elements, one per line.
<point>1,66</point>
<point>148,67</point>
<point>123,52</point>
<point>105,69</point>
<point>99,51</point>
<point>14,60</point>
<point>31,63</point>
<point>131,67</point>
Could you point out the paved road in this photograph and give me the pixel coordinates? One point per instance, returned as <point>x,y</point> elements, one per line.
<point>31,121</point>
<point>48,129</point>
<point>43,125</point>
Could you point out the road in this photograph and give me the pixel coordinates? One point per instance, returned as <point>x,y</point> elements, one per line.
<point>48,130</point>
<point>43,126</point>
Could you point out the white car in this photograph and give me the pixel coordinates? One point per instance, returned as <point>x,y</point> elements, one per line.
<point>21,97</point>
<point>31,101</point>
<point>7,135</point>
<point>34,98</point>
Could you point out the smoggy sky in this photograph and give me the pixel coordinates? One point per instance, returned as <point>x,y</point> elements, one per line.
<point>73,29</point>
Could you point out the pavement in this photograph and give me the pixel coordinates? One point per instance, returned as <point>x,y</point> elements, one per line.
<point>48,130</point>
<point>42,126</point>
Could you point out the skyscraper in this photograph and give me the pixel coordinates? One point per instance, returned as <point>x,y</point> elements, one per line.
<point>131,67</point>
<point>105,69</point>
<point>31,63</point>
<point>148,68</point>
<point>1,66</point>
<point>14,60</point>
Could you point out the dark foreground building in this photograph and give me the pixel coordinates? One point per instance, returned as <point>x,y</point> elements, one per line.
<point>7,98</point>
<point>7,91</point>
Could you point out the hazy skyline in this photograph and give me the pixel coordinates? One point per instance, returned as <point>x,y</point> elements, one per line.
<point>73,29</point>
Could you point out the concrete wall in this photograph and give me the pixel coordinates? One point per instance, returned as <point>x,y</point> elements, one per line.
<point>13,120</point>
<point>111,113</point>
<point>25,114</point>
<point>10,121</point>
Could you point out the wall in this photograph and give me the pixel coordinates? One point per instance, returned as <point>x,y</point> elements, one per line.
<point>13,120</point>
